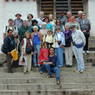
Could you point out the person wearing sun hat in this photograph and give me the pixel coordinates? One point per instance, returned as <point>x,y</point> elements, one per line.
<point>18,14</point>
<point>18,21</point>
<point>36,38</point>
<point>34,23</point>
<point>78,41</point>
<point>43,29</point>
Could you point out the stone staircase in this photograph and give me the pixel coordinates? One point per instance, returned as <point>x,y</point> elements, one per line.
<point>34,83</point>
<point>90,56</point>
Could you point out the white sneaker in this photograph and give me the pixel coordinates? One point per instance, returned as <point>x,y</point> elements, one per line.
<point>87,51</point>
<point>81,71</point>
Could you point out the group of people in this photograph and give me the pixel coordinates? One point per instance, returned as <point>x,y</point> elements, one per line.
<point>42,42</point>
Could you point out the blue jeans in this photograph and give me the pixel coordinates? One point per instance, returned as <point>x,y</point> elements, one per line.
<point>36,55</point>
<point>78,52</point>
<point>59,54</point>
<point>51,70</point>
<point>42,68</point>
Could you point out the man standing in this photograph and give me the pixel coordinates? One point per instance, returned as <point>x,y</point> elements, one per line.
<point>79,18</point>
<point>41,18</point>
<point>63,19</point>
<point>85,28</point>
<point>78,40</point>
<point>18,21</point>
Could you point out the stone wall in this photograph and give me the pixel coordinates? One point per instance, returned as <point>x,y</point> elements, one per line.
<point>9,9</point>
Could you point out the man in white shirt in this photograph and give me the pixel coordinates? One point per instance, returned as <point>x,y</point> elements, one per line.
<point>78,39</point>
<point>41,18</point>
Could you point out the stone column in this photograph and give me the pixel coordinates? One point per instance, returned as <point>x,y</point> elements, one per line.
<point>91,15</point>
<point>1,22</point>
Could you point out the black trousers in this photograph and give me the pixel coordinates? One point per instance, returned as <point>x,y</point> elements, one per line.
<point>9,62</point>
<point>86,45</point>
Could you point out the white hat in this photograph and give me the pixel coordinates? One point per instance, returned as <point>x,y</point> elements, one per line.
<point>35,27</point>
<point>44,23</point>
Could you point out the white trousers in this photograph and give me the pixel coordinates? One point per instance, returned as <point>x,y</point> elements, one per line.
<point>68,55</point>
<point>78,52</point>
<point>27,67</point>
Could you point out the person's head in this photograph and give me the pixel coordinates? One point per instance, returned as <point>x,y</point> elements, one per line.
<point>41,14</point>
<point>35,28</point>
<point>46,19</point>
<point>67,27</point>
<point>58,29</point>
<point>58,22</point>
<point>51,17</point>
<point>62,14</point>
<point>49,32</point>
<point>51,51</point>
<point>73,28</point>
<point>72,19</point>
<point>25,23</point>
<point>69,14</point>
<point>18,15</point>
<point>80,14</point>
<point>44,45</point>
<point>29,16</point>
<point>34,22</point>
<point>10,22</point>
<point>84,16</point>
<point>44,25</point>
<point>27,35</point>
<point>9,32</point>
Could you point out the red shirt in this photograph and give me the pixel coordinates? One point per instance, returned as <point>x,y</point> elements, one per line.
<point>44,52</point>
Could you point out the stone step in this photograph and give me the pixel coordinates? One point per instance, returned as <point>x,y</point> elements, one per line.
<point>45,86</point>
<point>50,92</point>
<point>46,80</point>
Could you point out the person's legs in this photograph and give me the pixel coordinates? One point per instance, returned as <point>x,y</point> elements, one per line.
<point>59,54</point>
<point>9,63</point>
<point>25,68</point>
<point>48,68</point>
<point>57,72</point>
<point>86,45</point>
<point>67,56</point>
<point>42,68</point>
<point>81,60</point>
<point>29,62</point>
<point>70,56</point>
<point>79,57</point>
<point>37,55</point>
<point>76,56</point>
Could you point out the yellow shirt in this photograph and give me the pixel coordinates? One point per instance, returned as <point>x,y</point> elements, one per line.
<point>48,38</point>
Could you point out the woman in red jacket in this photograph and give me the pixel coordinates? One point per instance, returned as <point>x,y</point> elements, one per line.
<point>44,52</point>
<point>43,57</point>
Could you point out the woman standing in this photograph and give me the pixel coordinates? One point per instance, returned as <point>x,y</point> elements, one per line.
<point>36,38</point>
<point>26,51</point>
<point>68,47</point>
<point>58,44</point>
